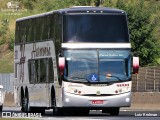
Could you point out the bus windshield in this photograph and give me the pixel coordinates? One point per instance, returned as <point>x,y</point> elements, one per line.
<point>97,65</point>
<point>95,28</point>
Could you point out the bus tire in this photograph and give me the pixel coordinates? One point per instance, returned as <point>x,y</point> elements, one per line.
<point>22,99</point>
<point>57,111</point>
<point>37,110</point>
<point>114,112</point>
<point>85,112</point>
<point>42,111</point>
<point>1,108</point>
<point>80,111</point>
<point>26,102</point>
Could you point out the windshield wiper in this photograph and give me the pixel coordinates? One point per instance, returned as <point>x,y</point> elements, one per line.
<point>114,77</point>
<point>78,79</point>
<point>117,78</point>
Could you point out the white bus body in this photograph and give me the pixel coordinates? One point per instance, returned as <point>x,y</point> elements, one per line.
<point>56,69</point>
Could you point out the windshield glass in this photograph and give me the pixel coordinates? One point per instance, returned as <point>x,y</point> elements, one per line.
<point>95,28</point>
<point>80,63</point>
<point>97,65</point>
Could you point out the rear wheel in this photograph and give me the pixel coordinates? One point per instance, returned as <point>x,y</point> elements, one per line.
<point>26,106</point>
<point>37,110</point>
<point>22,100</point>
<point>57,111</point>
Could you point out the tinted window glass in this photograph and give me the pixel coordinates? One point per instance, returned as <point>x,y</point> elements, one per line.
<point>40,70</point>
<point>97,65</point>
<point>95,28</point>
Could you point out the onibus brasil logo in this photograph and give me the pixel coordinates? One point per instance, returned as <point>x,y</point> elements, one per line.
<point>13,8</point>
<point>13,5</point>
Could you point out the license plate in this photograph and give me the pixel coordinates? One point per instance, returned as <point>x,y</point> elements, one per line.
<point>97,101</point>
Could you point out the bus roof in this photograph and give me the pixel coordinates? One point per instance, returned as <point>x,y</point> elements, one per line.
<point>85,9</point>
<point>77,9</point>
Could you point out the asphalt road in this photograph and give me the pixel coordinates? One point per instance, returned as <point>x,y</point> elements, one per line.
<point>125,114</point>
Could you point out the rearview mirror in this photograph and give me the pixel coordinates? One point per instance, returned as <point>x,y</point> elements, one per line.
<point>135,65</point>
<point>61,65</point>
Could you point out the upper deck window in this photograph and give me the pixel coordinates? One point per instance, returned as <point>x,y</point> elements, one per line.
<point>110,28</point>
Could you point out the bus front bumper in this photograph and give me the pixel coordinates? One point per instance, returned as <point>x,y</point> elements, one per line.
<point>120,100</point>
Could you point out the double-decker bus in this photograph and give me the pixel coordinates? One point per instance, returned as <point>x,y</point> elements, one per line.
<point>73,60</point>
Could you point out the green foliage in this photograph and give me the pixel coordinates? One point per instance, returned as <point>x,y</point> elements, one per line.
<point>4,27</point>
<point>143,17</point>
<point>141,26</point>
<point>11,42</point>
<point>49,5</point>
<point>2,40</point>
<point>28,4</point>
<point>98,2</point>
<point>3,30</point>
<point>6,62</point>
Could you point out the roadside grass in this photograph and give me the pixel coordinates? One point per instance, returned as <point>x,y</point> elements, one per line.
<point>6,61</point>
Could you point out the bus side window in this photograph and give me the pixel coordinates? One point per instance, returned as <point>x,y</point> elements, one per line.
<point>46,28</point>
<point>43,75</point>
<point>23,32</point>
<point>38,29</point>
<point>51,33</point>
<point>50,70</point>
<point>30,30</point>
<point>31,68</point>
<point>57,32</point>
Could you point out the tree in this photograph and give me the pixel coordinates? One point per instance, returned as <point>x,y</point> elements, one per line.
<point>141,16</point>
<point>3,30</point>
<point>28,4</point>
<point>141,26</point>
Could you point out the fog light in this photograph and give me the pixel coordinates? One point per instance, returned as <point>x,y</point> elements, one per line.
<point>67,99</point>
<point>127,99</point>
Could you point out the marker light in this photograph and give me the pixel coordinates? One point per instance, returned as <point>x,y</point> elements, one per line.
<point>122,85</point>
<point>79,92</point>
<point>135,65</point>
<point>116,91</point>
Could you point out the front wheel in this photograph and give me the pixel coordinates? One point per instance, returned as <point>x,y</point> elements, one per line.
<point>57,111</point>
<point>114,111</point>
<point>1,108</point>
<point>82,112</point>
